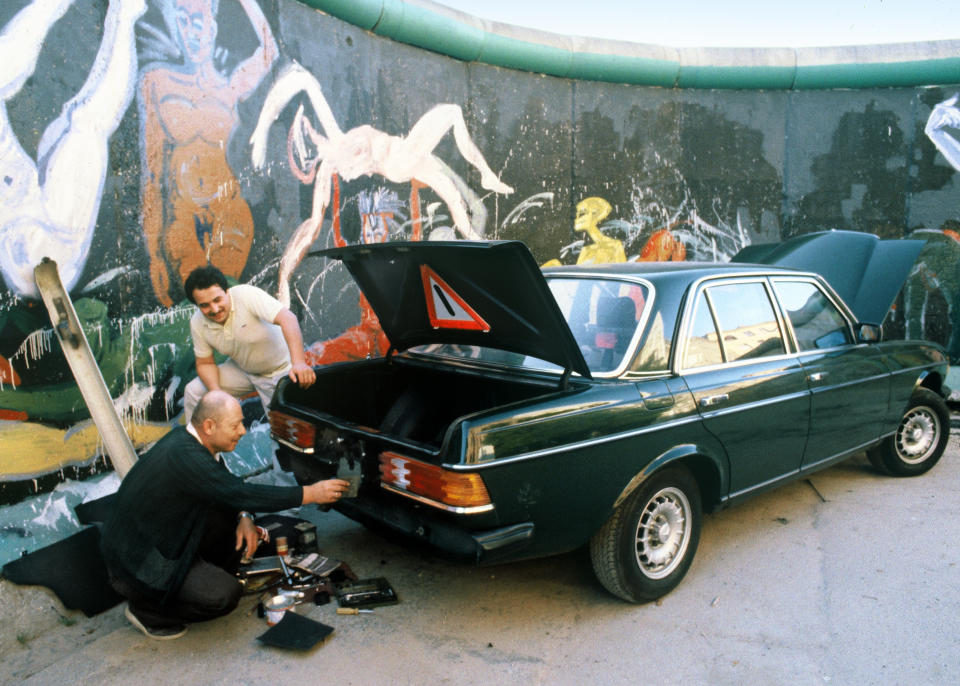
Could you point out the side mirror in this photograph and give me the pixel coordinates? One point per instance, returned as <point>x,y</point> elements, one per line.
<point>869,333</point>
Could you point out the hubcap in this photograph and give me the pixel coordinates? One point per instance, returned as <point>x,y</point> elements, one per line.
<point>918,435</point>
<point>663,533</point>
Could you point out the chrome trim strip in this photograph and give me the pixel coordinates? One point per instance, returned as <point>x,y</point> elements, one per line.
<point>909,370</point>
<point>766,484</point>
<point>789,476</point>
<point>758,403</point>
<point>846,453</point>
<point>292,446</point>
<point>830,386</point>
<point>741,363</point>
<point>477,509</point>
<point>571,446</point>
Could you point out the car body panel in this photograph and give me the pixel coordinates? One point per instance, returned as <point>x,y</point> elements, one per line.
<point>850,400</point>
<point>760,414</point>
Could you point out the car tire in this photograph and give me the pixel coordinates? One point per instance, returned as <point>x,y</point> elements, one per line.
<point>920,438</point>
<point>647,546</point>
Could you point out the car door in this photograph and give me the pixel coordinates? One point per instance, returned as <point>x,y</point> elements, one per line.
<point>751,394</point>
<point>850,383</point>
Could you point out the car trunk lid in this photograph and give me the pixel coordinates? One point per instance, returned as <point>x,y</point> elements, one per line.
<point>488,294</point>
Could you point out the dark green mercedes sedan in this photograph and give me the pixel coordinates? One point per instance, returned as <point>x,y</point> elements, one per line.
<point>522,413</point>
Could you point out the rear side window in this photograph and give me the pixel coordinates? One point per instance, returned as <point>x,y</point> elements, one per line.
<point>816,321</point>
<point>733,321</point>
<point>703,343</point>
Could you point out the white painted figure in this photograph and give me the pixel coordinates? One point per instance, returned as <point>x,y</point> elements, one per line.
<point>945,114</point>
<point>364,151</point>
<point>49,206</point>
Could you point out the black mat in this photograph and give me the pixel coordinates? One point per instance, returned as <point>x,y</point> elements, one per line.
<point>71,568</point>
<point>95,511</point>
<point>295,632</point>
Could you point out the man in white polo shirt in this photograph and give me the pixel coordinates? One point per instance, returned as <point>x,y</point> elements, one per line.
<point>259,335</point>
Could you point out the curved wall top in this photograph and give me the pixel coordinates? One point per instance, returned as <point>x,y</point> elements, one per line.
<point>438,28</point>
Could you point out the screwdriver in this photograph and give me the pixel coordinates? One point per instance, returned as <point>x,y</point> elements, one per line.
<point>352,611</point>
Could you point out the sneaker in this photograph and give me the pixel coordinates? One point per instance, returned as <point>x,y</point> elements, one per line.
<point>167,633</point>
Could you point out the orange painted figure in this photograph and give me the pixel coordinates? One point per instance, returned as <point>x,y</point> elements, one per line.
<point>8,375</point>
<point>663,247</point>
<point>193,212</point>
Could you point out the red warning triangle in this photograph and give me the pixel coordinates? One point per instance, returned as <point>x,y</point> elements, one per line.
<point>447,310</point>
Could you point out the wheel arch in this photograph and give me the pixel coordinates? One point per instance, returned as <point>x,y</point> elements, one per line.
<point>930,380</point>
<point>706,470</point>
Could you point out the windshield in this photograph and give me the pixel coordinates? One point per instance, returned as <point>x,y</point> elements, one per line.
<point>602,315</point>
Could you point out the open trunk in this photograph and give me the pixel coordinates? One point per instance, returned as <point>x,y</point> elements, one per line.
<point>401,401</point>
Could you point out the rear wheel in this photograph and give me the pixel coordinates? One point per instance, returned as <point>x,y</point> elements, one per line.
<point>647,546</point>
<point>920,439</point>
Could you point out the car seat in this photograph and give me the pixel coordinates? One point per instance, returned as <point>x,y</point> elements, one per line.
<point>616,322</point>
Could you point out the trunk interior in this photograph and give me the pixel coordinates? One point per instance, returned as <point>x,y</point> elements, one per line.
<point>407,400</point>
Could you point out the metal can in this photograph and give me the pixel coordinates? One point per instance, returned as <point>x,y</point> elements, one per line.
<point>282,549</point>
<point>276,607</point>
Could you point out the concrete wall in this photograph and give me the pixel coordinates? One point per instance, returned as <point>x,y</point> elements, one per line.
<point>126,156</point>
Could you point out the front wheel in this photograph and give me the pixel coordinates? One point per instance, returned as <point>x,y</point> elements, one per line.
<point>647,546</point>
<point>920,439</point>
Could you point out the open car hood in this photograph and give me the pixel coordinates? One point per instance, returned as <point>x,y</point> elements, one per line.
<point>489,294</point>
<point>865,271</point>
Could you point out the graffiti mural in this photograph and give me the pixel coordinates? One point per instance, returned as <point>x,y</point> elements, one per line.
<point>49,203</point>
<point>193,211</point>
<point>141,139</point>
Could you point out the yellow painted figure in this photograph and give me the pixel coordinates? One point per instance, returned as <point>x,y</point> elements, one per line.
<point>602,249</point>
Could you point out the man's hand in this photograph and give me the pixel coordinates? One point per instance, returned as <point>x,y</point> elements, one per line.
<point>302,374</point>
<point>325,492</point>
<point>249,536</point>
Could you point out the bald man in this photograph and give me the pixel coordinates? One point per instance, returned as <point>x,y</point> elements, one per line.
<point>173,542</point>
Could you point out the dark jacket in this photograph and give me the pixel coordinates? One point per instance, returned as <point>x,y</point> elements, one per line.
<point>151,537</point>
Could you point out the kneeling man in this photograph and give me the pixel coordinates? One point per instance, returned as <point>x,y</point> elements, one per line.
<point>173,542</point>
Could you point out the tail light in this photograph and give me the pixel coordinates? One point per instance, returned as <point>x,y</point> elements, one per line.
<point>293,432</point>
<point>443,488</point>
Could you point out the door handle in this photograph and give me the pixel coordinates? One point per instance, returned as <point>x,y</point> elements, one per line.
<point>713,399</point>
<point>818,376</point>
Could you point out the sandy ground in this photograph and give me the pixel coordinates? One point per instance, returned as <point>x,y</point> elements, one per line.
<point>845,578</point>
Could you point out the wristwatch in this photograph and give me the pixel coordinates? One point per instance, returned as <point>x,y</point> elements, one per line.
<point>246,514</point>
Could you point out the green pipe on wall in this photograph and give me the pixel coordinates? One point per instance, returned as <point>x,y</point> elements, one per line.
<point>434,27</point>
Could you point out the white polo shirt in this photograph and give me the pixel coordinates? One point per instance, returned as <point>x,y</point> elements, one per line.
<point>248,336</point>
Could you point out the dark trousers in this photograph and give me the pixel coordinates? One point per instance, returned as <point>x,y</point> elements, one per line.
<point>210,589</point>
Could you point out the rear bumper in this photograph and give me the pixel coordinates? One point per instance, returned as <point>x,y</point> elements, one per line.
<point>482,547</point>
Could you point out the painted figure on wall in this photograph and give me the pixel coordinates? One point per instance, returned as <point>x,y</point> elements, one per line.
<point>363,151</point>
<point>366,339</point>
<point>49,206</point>
<point>193,212</point>
<point>945,116</point>
<point>937,272</point>
<point>662,246</point>
<point>601,248</point>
